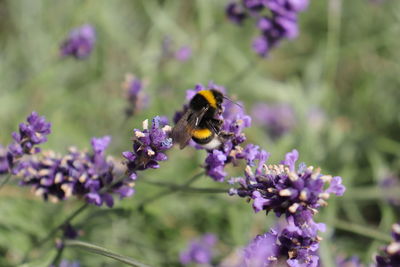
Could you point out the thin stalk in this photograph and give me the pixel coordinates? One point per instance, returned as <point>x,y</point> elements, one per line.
<point>167,192</point>
<point>371,193</point>
<point>104,252</point>
<point>66,221</point>
<point>361,230</point>
<point>57,257</point>
<point>186,188</point>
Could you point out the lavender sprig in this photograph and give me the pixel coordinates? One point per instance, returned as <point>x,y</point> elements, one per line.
<point>296,193</point>
<point>80,42</point>
<point>149,146</point>
<point>25,142</point>
<point>30,134</point>
<point>80,174</point>
<point>137,99</point>
<point>199,250</point>
<point>276,19</point>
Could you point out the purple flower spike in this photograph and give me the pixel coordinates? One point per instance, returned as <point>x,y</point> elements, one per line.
<point>65,263</point>
<point>390,255</point>
<point>199,250</point>
<point>137,99</point>
<point>184,53</point>
<point>289,191</point>
<point>276,20</point>
<point>149,146</point>
<point>85,175</point>
<point>277,119</point>
<point>30,134</point>
<point>80,42</point>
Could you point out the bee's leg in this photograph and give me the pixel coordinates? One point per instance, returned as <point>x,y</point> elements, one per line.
<point>226,135</point>
<point>215,125</point>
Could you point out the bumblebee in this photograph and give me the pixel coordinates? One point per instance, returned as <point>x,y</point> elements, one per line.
<point>200,122</point>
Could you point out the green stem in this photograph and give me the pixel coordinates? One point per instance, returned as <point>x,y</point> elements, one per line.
<point>186,188</point>
<point>371,193</point>
<point>57,257</point>
<point>66,221</point>
<point>5,181</point>
<point>360,230</point>
<point>104,252</point>
<point>167,192</point>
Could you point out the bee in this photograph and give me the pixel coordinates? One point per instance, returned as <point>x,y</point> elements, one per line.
<point>200,122</point>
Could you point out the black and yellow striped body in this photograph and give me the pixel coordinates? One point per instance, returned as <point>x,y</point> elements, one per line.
<point>205,133</point>
<point>200,122</point>
<point>207,98</point>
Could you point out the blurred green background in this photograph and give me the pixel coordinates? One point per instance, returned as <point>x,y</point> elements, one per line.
<point>345,63</point>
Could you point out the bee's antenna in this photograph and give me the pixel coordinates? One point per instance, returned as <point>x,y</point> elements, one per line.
<point>236,103</point>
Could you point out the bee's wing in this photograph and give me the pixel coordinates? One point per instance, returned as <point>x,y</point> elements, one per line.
<point>182,132</point>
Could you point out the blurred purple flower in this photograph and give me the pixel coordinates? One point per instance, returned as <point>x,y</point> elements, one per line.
<point>236,13</point>
<point>66,263</point>
<point>4,163</point>
<point>81,174</point>
<point>349,262</point>
<point>261,251</point>
<point>149,146</point>
<point>278,119</point>
<point>316,118</point>
<point>30,134</point>
<point>390,255</point>
<point>80,42</point>
<point>276,20</point>
<point>70,232</point>
<point>199,250</point>
<point>184,53</point>
<point>137,99</point>
<point>388,184</point>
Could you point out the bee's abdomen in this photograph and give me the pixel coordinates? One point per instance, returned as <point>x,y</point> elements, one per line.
<point>202,135</point>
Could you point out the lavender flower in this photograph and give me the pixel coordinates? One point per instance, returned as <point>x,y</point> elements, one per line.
<point>285,190</point>
<point>183,53</point>
<point>295,193</point>
<point>149,146</point>
<point>199,250</point>
<point>30,134</point>
<point>277,119</point>
<point>4,164</point>
<point>390,255</point>
<point>236,13</point>
<point>137,99</point>
<point>276,20</point>
<point>261,251</point>
<point>285,243</point>
<point>389,183</point>
<point>80,42</point>
<point>234,122</point>
<point>86,175</point>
